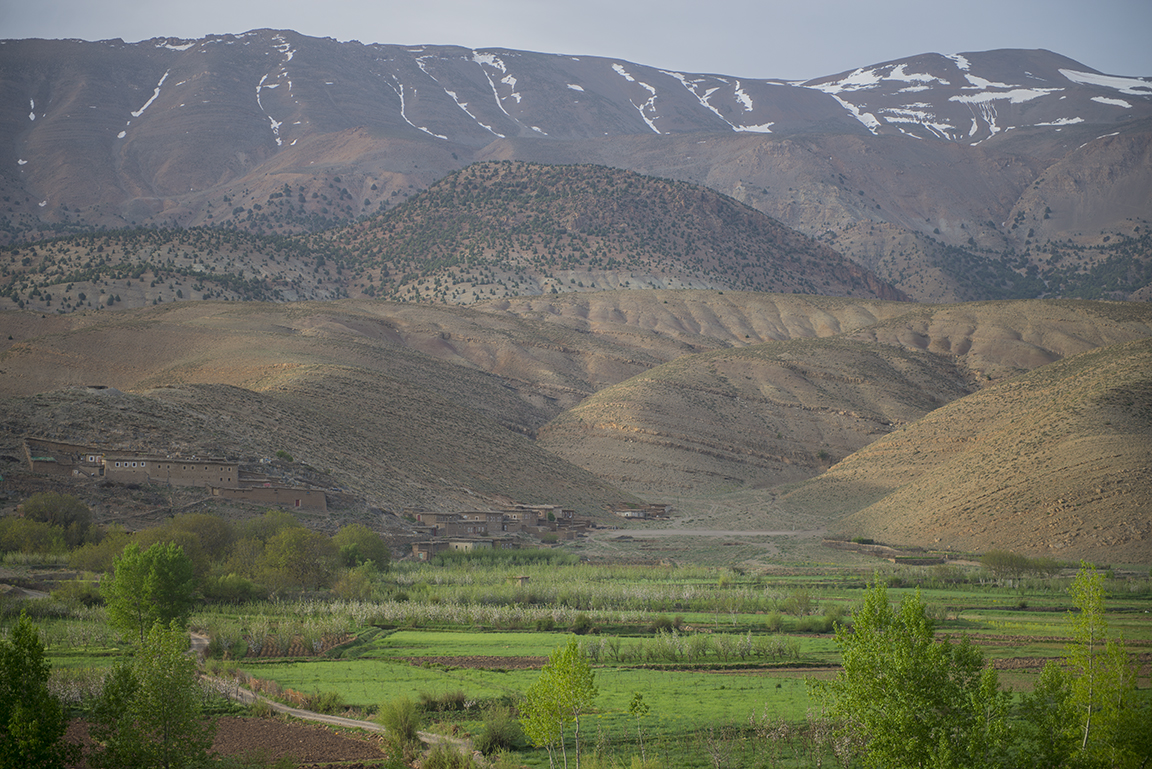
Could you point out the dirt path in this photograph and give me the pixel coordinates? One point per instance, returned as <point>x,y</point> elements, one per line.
<point>237,693</point>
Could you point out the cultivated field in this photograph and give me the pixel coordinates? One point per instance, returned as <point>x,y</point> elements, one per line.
<point>723,658</point>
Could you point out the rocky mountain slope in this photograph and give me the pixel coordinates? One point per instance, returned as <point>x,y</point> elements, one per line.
<point>490,230</point>
<point>990,174</point>
<point>504,229</point>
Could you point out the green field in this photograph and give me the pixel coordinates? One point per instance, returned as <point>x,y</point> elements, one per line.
<point>723,658</point>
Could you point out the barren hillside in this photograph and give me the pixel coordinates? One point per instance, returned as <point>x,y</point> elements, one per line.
<point>586,399</point>
<point>1053,462</point>
<point>759,416</point>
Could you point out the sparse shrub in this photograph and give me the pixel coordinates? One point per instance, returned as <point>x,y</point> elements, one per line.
<point>445,756</point>
<point>814,624</point>
<point>699,645</point>
<point>774,621</point>
<point>401,718</point>
<point>501,730</point>
<point>445,702</point>
<point>230,588</point>
<point>800,603</point>
<point>582,624</point>
<point>325,702</point>
<point>76,591</point>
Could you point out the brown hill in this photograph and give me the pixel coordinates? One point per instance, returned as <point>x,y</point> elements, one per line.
<point>1053,462</point>
<point>363,437</point>
<point>775,413</point>
<point>664,393</point>
<point>759,416</point>
<point>992,340</point>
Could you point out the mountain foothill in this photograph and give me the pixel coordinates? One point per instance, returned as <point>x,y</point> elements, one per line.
<point>907,303</point>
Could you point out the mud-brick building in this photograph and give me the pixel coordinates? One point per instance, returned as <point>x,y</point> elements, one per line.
<point>129,467</point>
<point>281,496</point>
<point>66,459</point>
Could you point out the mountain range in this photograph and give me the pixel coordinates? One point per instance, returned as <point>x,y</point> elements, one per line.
<point>997,174</point>
<point>441,278</point>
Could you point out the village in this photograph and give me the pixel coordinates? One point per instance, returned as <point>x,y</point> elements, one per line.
<point>504,528</point>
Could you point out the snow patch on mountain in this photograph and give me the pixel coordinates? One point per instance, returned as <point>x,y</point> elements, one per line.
<point>743,97</point>
<point>868,119</point>
<point>872,77</point>
<point>705,98</point>
<point>1132,86</point>
<point>1112,102</point>
<point>981,83</point>
<point>649,105</point>
<point>284,47</point>
<point>1015,96</point>
<point>858,79</point>
<point>398,89</point>
<point>961,62</point>
<point>463,105</point>
<point>900,73</point>
<point>493,61</point>
<point>155,93</point>
<point>913,113</point>
<point>762,128</point>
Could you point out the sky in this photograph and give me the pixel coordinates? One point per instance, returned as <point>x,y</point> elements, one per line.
<point>795,40</point>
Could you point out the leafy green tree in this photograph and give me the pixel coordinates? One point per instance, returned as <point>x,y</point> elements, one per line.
<point>298,558</point>
<point>215,534</point>
<point>150,712</point>
<point>64,511</point>
<point>916,701</point>
<point>21,535</point>
<point>565,689</point>
<point>100,556</point>
<point>269,525</point>
<point>188,542</point>
<point>32,721</point>
<point>1003,563</point>
<point>1047,725</point>
<point>150,586</point>
<point>358,544</point>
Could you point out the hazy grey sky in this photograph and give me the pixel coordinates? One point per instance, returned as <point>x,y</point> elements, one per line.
<point>797,39</point>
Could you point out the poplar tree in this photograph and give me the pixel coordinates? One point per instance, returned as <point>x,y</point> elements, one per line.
<point>565,689</point>
<point>1102,683</point>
